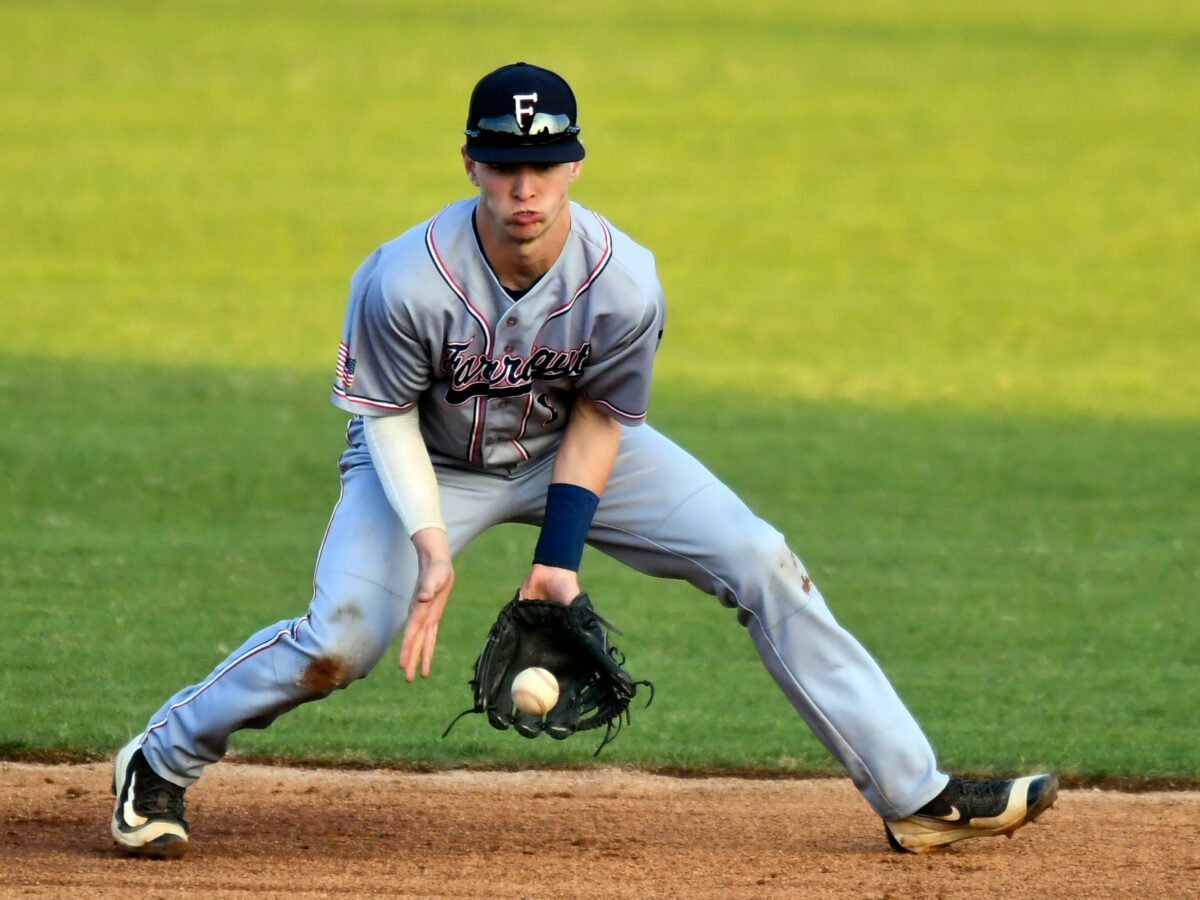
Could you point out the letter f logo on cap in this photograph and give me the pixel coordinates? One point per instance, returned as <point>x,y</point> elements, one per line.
<point>523,110</point>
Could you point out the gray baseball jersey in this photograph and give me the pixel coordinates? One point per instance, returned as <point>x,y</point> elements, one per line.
<point>428,323</point>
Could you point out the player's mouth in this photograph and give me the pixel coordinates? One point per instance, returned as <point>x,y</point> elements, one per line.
<point>525,217</point>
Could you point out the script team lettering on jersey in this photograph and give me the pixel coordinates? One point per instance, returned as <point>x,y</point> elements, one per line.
<point>477,375</point>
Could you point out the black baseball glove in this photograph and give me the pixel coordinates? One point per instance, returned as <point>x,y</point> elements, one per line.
<point>571,641</point>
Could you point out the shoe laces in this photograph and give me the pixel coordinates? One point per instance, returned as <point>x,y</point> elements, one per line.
<point>972,797</point>
<point>156,796</point>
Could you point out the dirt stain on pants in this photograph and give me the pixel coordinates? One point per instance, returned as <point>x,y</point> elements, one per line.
<point>325,674</point>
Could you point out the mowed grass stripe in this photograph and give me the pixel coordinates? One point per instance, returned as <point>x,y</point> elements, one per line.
<point>987,209</point>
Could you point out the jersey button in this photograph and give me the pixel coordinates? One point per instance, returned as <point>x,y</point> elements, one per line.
<point>508,348</point>
<point>512,320</point>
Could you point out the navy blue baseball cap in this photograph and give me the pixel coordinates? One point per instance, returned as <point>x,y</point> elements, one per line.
<point>523,113</point>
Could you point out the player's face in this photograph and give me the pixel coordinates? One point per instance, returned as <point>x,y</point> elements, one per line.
<point>522,202</point>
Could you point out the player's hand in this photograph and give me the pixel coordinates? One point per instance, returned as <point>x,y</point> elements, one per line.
<point>550,583</point>
<point>435,578</point>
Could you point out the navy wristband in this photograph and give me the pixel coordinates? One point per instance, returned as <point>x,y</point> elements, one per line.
<point>569,511</point>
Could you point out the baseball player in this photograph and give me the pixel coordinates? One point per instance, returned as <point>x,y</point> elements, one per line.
<point>496,362</point>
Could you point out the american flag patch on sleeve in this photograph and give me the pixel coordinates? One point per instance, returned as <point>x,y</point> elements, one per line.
<point>345,365</point>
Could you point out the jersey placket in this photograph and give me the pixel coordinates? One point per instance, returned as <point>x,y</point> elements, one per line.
<point>505,417</point>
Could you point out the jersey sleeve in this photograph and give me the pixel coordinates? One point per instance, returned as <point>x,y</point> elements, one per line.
<point>383,366</point>
<point>617,378</point>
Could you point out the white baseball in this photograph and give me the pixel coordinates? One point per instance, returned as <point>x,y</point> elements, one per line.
<point>535,691</point>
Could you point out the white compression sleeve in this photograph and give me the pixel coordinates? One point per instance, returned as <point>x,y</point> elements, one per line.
<point>402,462</point>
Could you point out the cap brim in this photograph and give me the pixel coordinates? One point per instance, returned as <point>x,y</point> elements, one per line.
<point>561,152</point>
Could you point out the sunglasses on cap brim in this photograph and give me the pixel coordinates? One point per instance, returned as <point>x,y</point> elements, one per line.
<point>505,128</point>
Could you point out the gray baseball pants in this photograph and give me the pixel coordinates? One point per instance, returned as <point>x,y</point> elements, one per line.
<point>662,513</point>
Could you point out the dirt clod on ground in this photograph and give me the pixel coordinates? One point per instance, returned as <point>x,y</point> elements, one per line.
<point>278,832</point>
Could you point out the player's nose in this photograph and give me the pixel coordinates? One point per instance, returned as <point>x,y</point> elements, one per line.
<point>523,184</point>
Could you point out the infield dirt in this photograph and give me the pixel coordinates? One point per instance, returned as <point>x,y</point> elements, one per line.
<point>280,832</point>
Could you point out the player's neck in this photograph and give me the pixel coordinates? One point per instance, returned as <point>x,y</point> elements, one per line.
<point>519,263</point>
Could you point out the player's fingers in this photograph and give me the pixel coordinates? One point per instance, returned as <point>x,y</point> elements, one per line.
<point>402,659</point>
<point>413,659</point>
<point>429,646</point>
<point>409,651</point>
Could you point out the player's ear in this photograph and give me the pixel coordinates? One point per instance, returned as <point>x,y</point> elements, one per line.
<point>576,167</point>
<point>469,166</point>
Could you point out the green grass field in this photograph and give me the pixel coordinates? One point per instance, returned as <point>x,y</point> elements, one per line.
<point>932,309</point>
